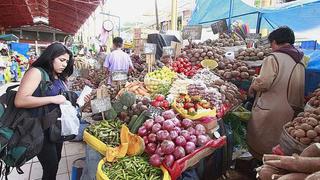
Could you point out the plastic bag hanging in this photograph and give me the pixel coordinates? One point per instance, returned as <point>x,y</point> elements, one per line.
<point>69,120</point>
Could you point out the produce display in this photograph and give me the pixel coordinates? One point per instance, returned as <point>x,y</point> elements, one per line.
<point>253,54</point>
<point>235,70</point>
<point>184,66</point>
<point>315,99</point>
<point>107,131</point>
<point>135,167</point>
<point>161,77</point>
<point>305,128</point>
<point>135,87</point>
<point>197,53</point>
<point>168,139</point>
<point>224,40</point>
<point>192,105</point>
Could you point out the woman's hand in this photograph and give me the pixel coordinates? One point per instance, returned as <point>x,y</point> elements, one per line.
<point>87,98</point>
<point>59,99</point>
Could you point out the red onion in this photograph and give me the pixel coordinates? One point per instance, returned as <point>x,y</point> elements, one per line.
<point>155,160</point>
<point>168,160</point>
<point>190,147</point>
<point>191,130</point>
<point>193,139</point>
<point>167,147</point>
<point>163,135</point>
<point>152,137</point>
<point>180,141</point>
<point>159,119</point>
<point>185,134</point>
<point>148,124</point>
<point>167,125</point>
<point>200,129</point>
<point>187,123</point>
<point>159,150</point>
<point>156,127</point>
<point>177,129</point>
<point>173,135</point>
<point>202,140</point>
<point>179,152</point>
<point>168,114</point>
<point>142,131</point>
<point>151,148</point>
<point>145,139</point>
<point>176,122</point>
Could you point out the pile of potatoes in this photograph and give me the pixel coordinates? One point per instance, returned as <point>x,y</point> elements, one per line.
<point>224,40</point>
<point>252,54</point>
<point>234,70</point>
<point>315,99</point>
<point>197,53</point>
<point>305,128</point>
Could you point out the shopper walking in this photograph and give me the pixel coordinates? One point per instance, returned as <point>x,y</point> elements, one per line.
<point>117,60</point>
<point>279,92</point>
<point>57,61</point>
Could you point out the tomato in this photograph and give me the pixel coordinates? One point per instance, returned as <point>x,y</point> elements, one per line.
<point>174,65</point>
<point>186,60</point>
<point>181,70</point>
<point>179,59</point>
<point>155,103</point>
<point>165,104</point>
<point>160,97</point>
<point>176,69</point>
<point>180,66</point>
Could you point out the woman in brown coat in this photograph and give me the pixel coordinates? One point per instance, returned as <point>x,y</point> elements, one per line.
<point>279,93</point>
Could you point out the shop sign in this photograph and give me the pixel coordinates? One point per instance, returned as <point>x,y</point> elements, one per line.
<point>100,105</point>
<point>168,51</point>
<point>192,32</point>
<point>150,48</point>
<point>219,27</point>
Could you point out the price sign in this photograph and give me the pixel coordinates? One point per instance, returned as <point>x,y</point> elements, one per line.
<point>119,76</point>
<point>192,32</point>
<point>150,48</point>
<point>100,105</point>
<point>219,27</point>
<point>168,50</point>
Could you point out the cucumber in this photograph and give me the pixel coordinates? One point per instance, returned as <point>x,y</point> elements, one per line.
<point>138,122</point>
<point>133,119</point>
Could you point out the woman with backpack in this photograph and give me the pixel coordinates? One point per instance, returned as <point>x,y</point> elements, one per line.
<point>57,61</point>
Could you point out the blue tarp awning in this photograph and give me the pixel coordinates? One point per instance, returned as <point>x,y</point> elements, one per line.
<point>299,15</point>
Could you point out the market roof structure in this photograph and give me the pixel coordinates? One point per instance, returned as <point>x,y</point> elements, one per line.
<point>66,15</point>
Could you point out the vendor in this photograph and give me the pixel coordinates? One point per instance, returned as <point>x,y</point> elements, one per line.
<point>279,93</point>
<point>118,60</point>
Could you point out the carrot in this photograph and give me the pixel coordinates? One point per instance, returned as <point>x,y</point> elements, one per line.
<point>293,176</point>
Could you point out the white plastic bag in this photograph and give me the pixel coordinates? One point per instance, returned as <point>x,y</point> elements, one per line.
<point>69,120</point>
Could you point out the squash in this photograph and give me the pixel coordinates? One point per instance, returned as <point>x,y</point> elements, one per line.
<point>136,145</point>
<point>119,152</point>
<point>127,99</point>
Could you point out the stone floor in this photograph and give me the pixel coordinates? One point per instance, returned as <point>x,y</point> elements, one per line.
<point>33,170</point>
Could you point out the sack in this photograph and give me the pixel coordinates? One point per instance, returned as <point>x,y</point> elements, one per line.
<point>55,130</point>
<point>21,134</point>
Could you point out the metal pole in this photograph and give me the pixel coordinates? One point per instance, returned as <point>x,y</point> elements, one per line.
<point>230,14</point>
<point>157,15</point>
<point>174,15</point>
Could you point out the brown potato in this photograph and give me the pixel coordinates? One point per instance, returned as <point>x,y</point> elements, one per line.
<point>312,121</point>
<point>317,129</point>
<point>300,133</point>
<point>306,127</point>
<point>244,75</point>
<point>305,140</point>
<point>311,134</point>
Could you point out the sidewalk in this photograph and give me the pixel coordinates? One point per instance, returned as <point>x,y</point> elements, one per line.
<point>33,170</point>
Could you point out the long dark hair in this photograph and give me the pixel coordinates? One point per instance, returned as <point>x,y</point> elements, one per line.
<point>46,59</point>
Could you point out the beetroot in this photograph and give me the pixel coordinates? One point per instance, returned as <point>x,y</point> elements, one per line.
<point>167,147</point>
<point>155,160</point>
<point>163,135</point>
<point>156,127</point>
<point>167,125</point>
<point>173,135</point>
<point>185,134</point>
<point>180,141</point>
<point>151,148</point>
<point>142,131</point>
<point>168,160</point>
<point>159,119</point>
<point>168,114</point>
<point>190,147</point>
<point>148,124</point>
<point>152,137</point>
<point>187,123</point>
<point>179,152</point>
<point>202,140</point>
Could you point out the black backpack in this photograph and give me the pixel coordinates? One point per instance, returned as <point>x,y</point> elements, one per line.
<point>21,134</point>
